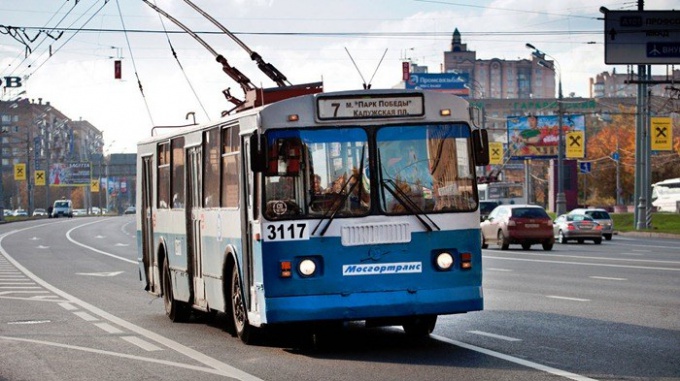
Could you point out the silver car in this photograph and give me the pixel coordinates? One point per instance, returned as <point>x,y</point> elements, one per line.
<point>578,227</point>
<point>600,216</point>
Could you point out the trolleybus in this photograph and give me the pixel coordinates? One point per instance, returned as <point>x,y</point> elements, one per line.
<point>503,192</point>
<point>331,207</point>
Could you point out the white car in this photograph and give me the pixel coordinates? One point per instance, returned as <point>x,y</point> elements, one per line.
<point>39,212</point>
<point>20,213</point>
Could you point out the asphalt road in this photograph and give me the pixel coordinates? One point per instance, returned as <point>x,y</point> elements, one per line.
<point>72,308</point>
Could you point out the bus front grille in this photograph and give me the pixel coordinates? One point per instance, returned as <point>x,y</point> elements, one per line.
<point>371,234</point>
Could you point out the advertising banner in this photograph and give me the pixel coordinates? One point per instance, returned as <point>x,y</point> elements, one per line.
<point>69,174</point>
<point>536,137</point>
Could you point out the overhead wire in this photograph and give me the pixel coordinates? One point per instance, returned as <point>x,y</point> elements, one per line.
<point>134,65</point>
<point>72,36</point>
<point>186,77</point>
<point>44,38</point>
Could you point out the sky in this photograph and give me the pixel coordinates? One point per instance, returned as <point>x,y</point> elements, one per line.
<point>307,40</point>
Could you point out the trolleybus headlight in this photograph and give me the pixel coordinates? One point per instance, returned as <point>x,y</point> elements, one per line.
<point>307,267</point>
<point>444,261</point>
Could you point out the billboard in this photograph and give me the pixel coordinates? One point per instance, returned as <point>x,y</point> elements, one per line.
<point>69,174</point>
<point>452,83</point>
<point>536,137</point>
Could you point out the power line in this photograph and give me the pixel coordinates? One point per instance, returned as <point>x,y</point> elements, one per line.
<point>597,32</point>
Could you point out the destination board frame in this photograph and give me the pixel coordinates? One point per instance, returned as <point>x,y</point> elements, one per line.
<point>374,106</point>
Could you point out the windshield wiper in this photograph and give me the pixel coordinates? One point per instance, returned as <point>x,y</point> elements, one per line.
<point>335,206</point>
<point>408,203</point>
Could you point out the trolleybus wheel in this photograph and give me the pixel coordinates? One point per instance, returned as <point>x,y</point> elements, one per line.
<point>420,325</point>
<point>176,311</point>
<point>238,309</point>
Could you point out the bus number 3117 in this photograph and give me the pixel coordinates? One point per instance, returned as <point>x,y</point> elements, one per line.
<point>287,231</point>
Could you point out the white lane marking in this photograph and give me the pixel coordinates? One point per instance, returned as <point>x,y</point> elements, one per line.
<point>108,328</point>
<point>493,335</point>
<point>23,292</point>
<point>587,264</point>
<point>115,354</point>
<point>122,244</point>
<point>68,306</point>
<point>500,270</point>
<point>85,316</point>
<point>607,278</point>
<point>522,362</point>
<point>145,345</point>
<point>68,236</point>
<point>29,322</point>
<point>23,283</point>
<point>19,287</point>
<point>218,366</point>
<point>104,274</point>
<point>552,255</point>
<point>567,298</point>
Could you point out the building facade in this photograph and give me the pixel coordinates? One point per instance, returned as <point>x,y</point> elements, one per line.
<point>498,78</point>
<point>612,85</point>
<point>36,136</point>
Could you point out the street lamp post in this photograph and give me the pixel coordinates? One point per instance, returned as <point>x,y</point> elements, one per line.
<point>560,200</point>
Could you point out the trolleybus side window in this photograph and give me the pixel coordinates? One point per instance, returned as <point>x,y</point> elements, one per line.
<point>211,168</point>
<point>230,166</point>
<point>163,184</point>
<point>425,169</point>
<point>177,190</point>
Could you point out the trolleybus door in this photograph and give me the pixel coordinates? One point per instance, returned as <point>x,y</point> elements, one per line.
<point>248,217</point>
<point>195,218</point>
<point>148,258</point>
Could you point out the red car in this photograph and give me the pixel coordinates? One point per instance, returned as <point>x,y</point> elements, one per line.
<point>518,224</point>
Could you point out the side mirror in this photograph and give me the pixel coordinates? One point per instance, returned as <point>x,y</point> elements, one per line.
<point>480,147</point>
<point>258,153</point>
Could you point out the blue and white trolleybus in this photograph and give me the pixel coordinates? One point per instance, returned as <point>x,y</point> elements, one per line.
<point>328,207</point>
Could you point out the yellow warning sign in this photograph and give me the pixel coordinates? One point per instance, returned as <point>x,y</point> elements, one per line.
<point>662,134</point>
<point>94,186</point>
<point>495,153</point>
<point>576,144</point>
<point>39,177</point>
<point>20,171</point>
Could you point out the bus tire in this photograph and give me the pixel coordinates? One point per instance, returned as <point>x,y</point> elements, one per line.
<point>239,314</point>
<point>176,310</point>
<point>420,326</point>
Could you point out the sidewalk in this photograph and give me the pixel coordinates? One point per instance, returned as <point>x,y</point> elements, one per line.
<point>647,234</point>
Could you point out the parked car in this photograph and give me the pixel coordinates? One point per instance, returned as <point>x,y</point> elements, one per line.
<point>130,210</point>
<point>600,216</point>
<point>20,213</point>
<point>579,227</point>
<point>39,212</point>
<point>63,208</point>
<point>79,212</point>
<point>485,208</point>
<point>518,224</point>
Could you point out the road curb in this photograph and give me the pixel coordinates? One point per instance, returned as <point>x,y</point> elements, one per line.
<point>648,235</point>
